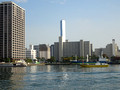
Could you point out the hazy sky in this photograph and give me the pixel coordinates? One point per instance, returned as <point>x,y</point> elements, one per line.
<point>97,21</point>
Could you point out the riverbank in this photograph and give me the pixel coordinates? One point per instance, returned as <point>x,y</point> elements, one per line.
<point>32,64</point>
<point>12,65</point>
<point>58,64</point>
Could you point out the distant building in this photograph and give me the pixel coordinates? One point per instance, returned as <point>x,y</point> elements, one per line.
<point>63,48</point>
<point>62,38</point>
<point>52,50</point>
<point>37,48</point>
<point>12,31</point>
<point>63,30</point>
<point>31,53</point>
<point>60,48</point>
<point>87,48</point>
<point>43,51</point>
<point>80,48</point>
<point>98,51</point>
<point>110,50</point>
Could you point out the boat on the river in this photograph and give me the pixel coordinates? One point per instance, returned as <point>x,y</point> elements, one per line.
<point>98,64</point>
<point>20,63</point>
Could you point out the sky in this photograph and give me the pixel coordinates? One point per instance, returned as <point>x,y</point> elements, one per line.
<point>97,21</point>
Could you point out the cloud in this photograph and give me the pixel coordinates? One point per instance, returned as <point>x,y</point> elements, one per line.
<point>21,1</point>
<point>58,1</point>
<point>63,2</point>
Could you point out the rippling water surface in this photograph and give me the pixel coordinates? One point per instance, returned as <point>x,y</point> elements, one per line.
<point>60,77</point>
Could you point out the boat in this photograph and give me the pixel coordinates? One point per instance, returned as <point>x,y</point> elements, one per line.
<point>97,64</point>
<point>20,63</point>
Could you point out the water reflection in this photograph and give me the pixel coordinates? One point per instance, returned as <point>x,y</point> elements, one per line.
<point>18,77</point>
<point>5,75</point>
<point>33,69</point>
<point>12,78</point>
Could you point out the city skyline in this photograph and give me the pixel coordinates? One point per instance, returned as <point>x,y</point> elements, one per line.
<point>94,21</point>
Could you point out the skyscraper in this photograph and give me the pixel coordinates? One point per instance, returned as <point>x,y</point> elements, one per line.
<point>63,30</point>
<point>12,31</point>
<point>62,38</point>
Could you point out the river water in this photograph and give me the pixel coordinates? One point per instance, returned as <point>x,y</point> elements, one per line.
<point>60,77</point>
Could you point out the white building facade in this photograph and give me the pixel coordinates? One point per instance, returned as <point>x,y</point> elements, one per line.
<point>63,30</point>
<point>31,53</point>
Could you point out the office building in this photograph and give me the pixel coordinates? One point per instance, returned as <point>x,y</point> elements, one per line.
<point>79,48</point>
<point>36,47</point>
<point>43,51</point>
<point>31,53</point>
<point>63,48</point>
<point>60,48</point>
<point>52,50</point>
<point>110,50</point>
<point>98,51</point>
<point>12,31</point>
<point>87,48</point>
<point>82,48</point>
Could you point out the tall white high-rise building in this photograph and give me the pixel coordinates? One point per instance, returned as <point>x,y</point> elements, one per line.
<point>63,30</point>
<point>62,38</point>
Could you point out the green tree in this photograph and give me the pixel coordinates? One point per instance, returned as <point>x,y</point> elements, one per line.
<point>51,60</point>
<point>66,59</point>
<point>94,58</point>
<point>38,58</point>
<point>27,60</point>
<point>7,60</point>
